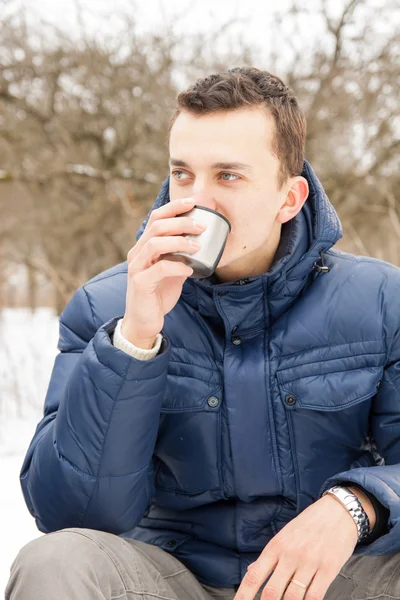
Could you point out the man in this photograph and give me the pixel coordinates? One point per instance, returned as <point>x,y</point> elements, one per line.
<point>192,426</point>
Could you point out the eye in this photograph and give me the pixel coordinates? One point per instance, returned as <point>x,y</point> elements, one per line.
<point>231,174</point>
<point>175,172</point>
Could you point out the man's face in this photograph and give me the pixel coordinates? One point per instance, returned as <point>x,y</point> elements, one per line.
<point>248,197</point>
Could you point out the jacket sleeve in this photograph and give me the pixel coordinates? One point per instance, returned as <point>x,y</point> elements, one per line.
<point>89,463</point>
<point>383,481</point>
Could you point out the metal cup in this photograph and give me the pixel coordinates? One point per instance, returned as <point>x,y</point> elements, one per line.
<point>212,240</point>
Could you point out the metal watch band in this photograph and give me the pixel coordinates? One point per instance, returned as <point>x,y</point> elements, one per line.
<point>353,505</point>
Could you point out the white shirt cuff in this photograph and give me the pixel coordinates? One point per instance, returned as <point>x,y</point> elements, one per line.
<point>123,344</point>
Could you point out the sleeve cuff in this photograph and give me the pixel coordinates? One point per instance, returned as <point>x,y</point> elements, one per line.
<point>120,342</point>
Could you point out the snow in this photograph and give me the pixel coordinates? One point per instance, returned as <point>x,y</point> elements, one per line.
<point>27,351</point>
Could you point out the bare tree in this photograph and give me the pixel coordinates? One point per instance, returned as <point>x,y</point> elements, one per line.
<point>349,88</point>
<point>83,126</point>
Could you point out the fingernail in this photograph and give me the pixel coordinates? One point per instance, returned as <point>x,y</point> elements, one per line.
<point>187,201</point>
<point>194,244</point>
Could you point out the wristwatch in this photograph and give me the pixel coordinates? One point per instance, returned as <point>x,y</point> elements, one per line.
<point>354,506</point>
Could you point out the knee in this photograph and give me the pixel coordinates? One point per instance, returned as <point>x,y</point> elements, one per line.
<point>56,556</point>
<point>59,560</point>
<point>54,551</point>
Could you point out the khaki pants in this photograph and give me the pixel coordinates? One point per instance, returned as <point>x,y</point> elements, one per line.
<point>85,564</point>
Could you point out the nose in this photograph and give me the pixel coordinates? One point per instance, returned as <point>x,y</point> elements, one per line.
<point>203,198</point>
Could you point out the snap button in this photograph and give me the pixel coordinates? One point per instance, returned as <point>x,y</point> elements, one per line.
<point>378,385</point>
<point>234,339</point>
<point>213,401</point>
<point>171,544</point>
<point>290,400</point>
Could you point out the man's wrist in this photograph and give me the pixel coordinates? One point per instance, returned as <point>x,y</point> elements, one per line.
<point>120,342</point>
<point>147,344</point>
<point>365,503</point>
<point>382,513</point>
<point>351,503</point>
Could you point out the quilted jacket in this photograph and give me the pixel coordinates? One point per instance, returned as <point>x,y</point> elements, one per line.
<point>265,391</point>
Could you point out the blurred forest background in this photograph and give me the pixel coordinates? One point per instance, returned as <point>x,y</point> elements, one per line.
<point>83,131</point>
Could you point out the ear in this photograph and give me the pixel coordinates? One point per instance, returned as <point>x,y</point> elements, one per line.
<point>295,196</point>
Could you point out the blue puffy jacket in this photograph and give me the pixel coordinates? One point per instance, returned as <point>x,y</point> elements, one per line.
<point>265,392</point>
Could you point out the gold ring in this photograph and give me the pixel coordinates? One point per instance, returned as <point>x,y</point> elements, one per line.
<point>299,583</point>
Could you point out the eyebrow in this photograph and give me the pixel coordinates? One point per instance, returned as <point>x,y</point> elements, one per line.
<point>173,162</point>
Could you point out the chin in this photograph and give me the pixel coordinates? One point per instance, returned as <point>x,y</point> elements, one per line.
<point>228,259</point>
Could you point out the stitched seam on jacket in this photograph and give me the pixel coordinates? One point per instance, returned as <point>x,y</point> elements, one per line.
<point>105,435</point>
<point>397,392</point>
<point>325,360</point>
<point>63,323</point>
<point>268,378</point>
<point>97,477</point>
<point>293,448</point>
<point>234,474</point>
<point>206,354</point>
<point>192,364</point>
<point>334,346</point>
<point>90,306</point>
<point>328,373</point>
<point>123,375</point>
<point>389,350</point>
<point>95,280</point>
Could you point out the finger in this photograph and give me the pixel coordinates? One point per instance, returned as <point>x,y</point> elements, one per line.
<point>167,211</point>
<point>299,583</point>
<point>255,576</point>
<point>171,209</point>
<point>319,586</point>
<point>151,277</point>
<point>164,227</point>
<point>278,582</point>
<point>156,247</point>
<point>175,226</point>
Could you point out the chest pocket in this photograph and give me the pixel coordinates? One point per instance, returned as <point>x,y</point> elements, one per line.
<point>327,395</point>
<point>188,448</point>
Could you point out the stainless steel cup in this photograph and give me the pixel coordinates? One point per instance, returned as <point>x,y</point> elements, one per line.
<point>212,240</point>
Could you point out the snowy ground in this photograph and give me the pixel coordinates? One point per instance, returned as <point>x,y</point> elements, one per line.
<point>28,347</point>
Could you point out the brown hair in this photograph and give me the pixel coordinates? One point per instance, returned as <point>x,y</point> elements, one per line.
<point>245,87</point>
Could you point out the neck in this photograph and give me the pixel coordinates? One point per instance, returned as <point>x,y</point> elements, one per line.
<point>256,263</point>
